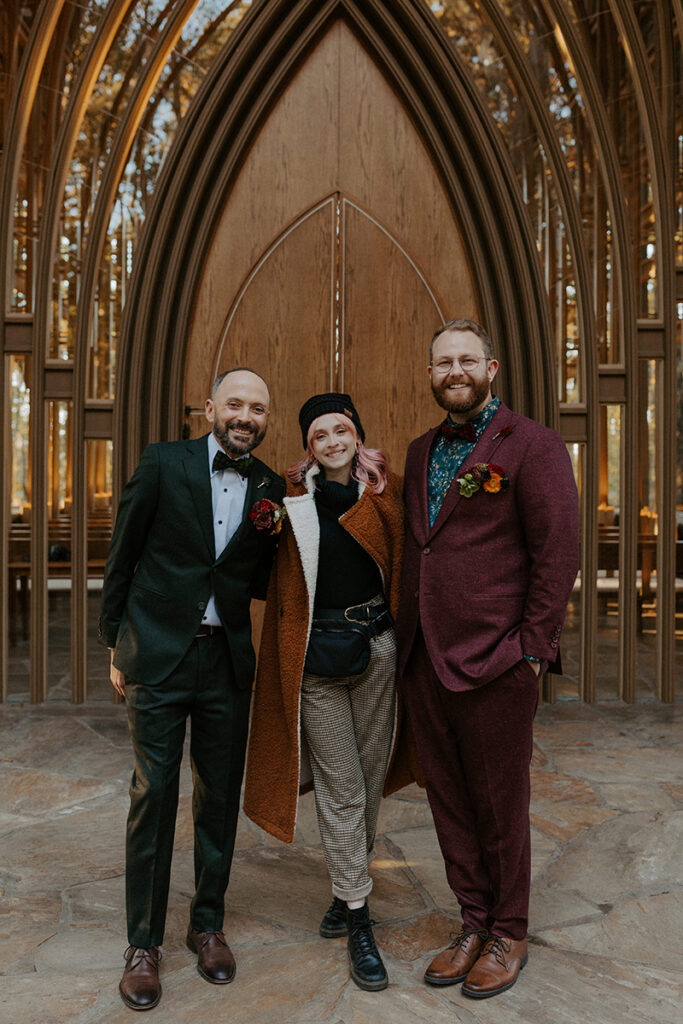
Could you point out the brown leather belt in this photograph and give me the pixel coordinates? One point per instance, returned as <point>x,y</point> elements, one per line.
<point>208,630</point>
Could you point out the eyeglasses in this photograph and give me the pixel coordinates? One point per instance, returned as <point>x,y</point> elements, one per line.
<point>466,364</point>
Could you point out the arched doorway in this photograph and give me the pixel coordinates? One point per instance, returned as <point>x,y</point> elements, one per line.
<point>336,166</point>
<point>335,256</point>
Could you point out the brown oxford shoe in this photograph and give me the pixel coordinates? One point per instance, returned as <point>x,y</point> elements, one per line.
<point>497,968</point>
<point>140,988</point>
<point>215,961</point>
<point>451,965</point>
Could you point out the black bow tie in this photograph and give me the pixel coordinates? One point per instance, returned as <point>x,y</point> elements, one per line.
<point>458,431</point>
<point>241,466</point>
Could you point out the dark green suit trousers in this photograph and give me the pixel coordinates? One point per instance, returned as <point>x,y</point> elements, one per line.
<point>203,689</point>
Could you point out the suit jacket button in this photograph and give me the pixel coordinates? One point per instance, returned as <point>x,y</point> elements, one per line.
<point>426,551</point>
<point>201,606</point>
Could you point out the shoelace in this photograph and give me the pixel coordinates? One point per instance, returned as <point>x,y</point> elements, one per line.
<point>465,934</point>
<point>498,948</point>
<point>218,936</point>
<point>364,939</point>
<point>134,956</point>
<point>338,907</point>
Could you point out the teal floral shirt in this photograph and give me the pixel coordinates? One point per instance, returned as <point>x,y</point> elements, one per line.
<point>446,458</point>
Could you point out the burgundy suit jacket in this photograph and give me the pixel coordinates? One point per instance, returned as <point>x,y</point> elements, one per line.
<point>490,580</point>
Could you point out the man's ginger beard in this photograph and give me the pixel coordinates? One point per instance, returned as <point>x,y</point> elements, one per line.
<point>461,402</point>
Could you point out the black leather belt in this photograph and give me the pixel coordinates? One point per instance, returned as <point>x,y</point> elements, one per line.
<point>208,630</point>
<point>376,618</point>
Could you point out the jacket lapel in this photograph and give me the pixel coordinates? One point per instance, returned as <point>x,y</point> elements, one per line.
<point>421,496</point>
<point>363,522</point>
<point>482,452</point>
<point>196,464</point>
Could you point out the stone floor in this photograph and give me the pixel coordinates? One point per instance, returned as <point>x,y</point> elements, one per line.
<point>606,908</point>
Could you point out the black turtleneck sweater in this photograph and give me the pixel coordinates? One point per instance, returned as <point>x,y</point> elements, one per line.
<point>347,575</point>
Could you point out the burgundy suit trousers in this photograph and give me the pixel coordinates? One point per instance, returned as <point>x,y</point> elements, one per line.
<point>475,750</point>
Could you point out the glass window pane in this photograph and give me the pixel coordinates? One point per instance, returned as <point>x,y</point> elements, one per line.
<point>75,28</point>
<point>612,62</point>
<point>99,468</point>
<point>19,541</point>
<point>125,62</point>
<point>646,652</point>
<point>609,545</point>
<point>567,685</point>
<point>204,34</point>
<point>476,41</point>
<point>59,505</point>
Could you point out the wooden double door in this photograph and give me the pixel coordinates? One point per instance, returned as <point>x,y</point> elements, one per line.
<point>335,257</point>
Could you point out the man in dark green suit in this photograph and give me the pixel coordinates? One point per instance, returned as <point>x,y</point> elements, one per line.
<point>186,558</point>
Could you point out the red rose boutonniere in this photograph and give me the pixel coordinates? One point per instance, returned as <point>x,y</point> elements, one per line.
<point>503,432</point>
<point>267,516</point>
<point>484,475</point>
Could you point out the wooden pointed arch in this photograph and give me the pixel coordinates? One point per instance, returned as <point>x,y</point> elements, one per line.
<point>217,133</point>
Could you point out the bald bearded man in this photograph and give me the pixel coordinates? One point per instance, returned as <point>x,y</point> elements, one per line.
<point>186,558</point>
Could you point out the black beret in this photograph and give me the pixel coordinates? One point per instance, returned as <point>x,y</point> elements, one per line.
<point>320,405</point>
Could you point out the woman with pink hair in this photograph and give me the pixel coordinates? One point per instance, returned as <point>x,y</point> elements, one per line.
<point>325,700</point>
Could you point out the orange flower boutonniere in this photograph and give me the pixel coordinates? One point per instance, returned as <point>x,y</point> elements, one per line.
<point>484,475</point>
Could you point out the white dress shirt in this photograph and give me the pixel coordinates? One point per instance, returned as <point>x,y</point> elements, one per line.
<point>228,492</point>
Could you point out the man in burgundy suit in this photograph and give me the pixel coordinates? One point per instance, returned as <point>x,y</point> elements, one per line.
<point>491,557</point>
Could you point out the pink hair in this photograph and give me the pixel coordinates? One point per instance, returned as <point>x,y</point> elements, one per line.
<point>370,464</point>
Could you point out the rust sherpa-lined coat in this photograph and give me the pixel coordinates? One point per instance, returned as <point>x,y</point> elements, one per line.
<point>274,773</point>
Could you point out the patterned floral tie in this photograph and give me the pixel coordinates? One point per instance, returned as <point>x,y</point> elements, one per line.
<point>241,466</point>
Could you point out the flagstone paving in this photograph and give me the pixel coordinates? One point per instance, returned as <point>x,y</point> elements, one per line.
<point>606,927</point>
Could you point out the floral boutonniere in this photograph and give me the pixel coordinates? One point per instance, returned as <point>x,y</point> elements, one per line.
<point>268,516</point>
<point>503,432</point>
<point>266,482</point>
<point>484,475</point>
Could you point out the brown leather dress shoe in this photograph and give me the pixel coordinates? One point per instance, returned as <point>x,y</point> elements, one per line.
<point>452,964</point>
<point>215,961</point>
<point>140,988</point>
<point>497,968</point>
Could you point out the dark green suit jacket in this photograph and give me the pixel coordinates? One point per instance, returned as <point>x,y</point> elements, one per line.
<point>162,565</point>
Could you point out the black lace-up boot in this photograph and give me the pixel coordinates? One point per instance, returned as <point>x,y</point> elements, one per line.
<point>367,969</point>
<point>333,924</point>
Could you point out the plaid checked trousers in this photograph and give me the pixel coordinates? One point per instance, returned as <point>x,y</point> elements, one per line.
<point>348,725</point>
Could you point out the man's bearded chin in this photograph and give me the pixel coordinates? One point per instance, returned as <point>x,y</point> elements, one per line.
<point>223,437</point>
<point>456,401</point>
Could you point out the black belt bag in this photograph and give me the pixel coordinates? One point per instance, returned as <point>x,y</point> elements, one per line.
<point>340,639</point>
